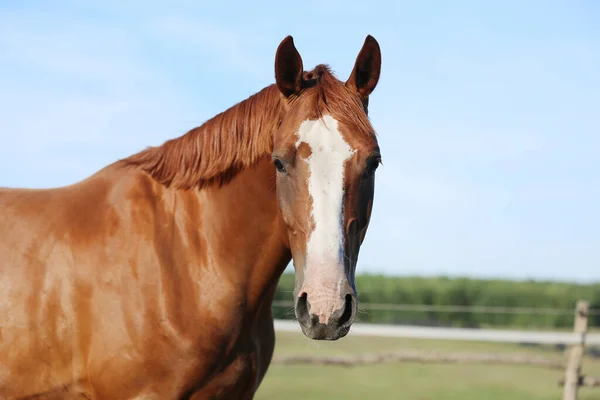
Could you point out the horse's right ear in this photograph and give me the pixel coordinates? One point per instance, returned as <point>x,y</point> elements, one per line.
<point>288,68</point>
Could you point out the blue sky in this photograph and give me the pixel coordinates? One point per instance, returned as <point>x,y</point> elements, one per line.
<point>488,113</point>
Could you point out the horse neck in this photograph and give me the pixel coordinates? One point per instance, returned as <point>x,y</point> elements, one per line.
<point>222,174</point>
<point>244,231</point>
<point>252,241</point>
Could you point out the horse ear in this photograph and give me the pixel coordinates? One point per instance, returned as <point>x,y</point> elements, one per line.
<point>288,68</point>
<point>365,75</point>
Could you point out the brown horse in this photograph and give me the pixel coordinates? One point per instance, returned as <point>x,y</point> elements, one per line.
<point>154,278</point>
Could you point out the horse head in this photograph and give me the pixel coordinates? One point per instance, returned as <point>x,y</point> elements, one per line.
<point>326,153</point>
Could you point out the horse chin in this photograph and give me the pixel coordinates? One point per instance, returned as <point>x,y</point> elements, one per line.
<point>325,332</point>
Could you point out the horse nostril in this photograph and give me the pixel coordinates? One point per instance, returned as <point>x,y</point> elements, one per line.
<point>348,310</point>
<point>302,309</point>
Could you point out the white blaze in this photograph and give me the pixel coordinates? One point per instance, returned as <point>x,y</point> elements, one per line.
<point>326,187</point>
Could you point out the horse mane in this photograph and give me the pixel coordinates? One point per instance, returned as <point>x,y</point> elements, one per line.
<point>237,138</point>
<point>214,152</point>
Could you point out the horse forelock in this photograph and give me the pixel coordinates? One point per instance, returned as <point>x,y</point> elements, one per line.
<point>331,96</point>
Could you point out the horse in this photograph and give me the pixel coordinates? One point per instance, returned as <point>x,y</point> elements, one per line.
<point>153,278</point>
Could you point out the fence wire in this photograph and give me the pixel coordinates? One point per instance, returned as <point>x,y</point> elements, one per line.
<point>457,308</point>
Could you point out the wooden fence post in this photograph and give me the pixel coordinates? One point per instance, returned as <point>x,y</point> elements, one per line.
<point>576,352</point>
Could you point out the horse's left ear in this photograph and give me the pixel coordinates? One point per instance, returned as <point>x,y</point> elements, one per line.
<point>365,75</point>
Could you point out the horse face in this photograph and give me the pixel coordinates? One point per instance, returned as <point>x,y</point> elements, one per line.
<point>325,154</point>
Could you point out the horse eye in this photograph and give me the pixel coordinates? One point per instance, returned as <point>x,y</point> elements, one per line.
<point>279,165</point>
<point>372,165</point>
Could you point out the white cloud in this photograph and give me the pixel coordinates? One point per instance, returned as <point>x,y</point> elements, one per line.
<point>77,96</point>
<point>225,47</point>
<point>56,44</point>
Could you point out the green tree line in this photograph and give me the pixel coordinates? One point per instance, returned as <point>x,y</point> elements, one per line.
<point>443,291</point>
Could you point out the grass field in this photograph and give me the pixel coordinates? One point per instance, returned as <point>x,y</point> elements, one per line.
<point>413,381</point>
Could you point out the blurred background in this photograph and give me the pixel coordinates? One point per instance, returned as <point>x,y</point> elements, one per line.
<point>486,214</point>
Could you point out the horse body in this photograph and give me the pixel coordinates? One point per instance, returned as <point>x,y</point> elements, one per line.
<point>169,306</point>
<point>154,277</point>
